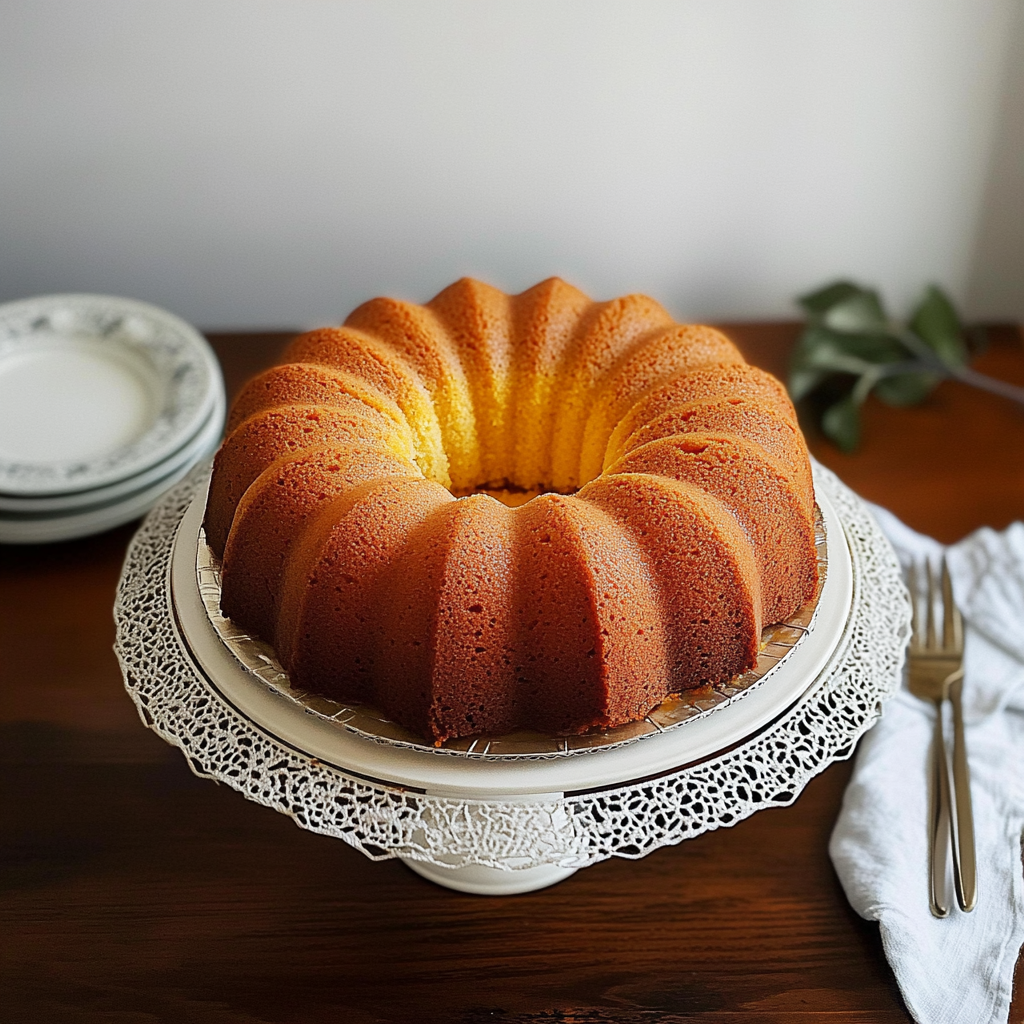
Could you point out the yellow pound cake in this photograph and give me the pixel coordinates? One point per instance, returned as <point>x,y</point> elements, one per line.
<point>498,512</point>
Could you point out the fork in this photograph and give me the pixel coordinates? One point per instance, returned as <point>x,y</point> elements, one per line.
<point>936,674</point>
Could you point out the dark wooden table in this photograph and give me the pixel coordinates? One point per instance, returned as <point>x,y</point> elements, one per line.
<point>130,891</point>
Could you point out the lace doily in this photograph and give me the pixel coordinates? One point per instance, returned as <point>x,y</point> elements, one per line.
<point>574,830</point>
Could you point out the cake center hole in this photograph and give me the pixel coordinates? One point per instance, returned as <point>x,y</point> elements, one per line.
<point>508,494</point>
<point>511,496</point>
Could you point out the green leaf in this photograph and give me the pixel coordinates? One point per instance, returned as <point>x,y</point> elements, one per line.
<point>858,314</point>
<point>841,422</point>
<point>827,356</point>
<point>905,388</point>
<point>803,382</point>
<point>849,343</point>
<point>935,321</point>
<point>834,361</point>
<point>875,348</point>
<point>819,302</point>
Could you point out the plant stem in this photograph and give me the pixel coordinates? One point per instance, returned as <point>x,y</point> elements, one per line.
<point>991,384</point>
<point>961,373</point>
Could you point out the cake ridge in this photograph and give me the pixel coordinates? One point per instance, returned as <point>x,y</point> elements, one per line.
<point>415,333</point>
<point>307,551</point>
<point>273,513</point>
<point>270,434</point>
<point>316,384</point>
<point>614,326</point>
<point>385,369</point>
<point>699,655</point>
<point>560,535</point>
<point>719,379</point>
<point>477,319</point>
<point>758,491</point>
<point>551,312</point>
<point>680,348</point>
<point>350,573</point>
<point>410,616</point>
<point>763,426</point>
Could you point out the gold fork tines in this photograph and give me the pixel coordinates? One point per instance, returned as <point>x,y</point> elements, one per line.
<point>936,674</point>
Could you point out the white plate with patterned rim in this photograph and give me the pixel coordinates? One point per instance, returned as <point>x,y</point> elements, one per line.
<point>191,452</point>
<point>95,389</point>
<point>46,529</point>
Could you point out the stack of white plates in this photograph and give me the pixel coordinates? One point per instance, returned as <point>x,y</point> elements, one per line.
<point>105,403</point>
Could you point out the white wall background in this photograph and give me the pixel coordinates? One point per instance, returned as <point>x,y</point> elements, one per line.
<point>275,162</point>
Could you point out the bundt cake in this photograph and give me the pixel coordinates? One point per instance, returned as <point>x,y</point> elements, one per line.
<point>497,512</point>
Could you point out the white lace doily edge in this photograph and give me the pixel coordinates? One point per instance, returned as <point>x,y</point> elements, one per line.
<point>384,821</point>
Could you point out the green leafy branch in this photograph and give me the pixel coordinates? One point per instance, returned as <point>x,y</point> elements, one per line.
<point>851,349</point>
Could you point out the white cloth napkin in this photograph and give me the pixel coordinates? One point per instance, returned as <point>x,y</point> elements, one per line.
<point>959,969</point>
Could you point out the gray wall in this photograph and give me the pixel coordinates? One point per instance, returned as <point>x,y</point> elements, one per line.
<point>996,282</point>
<point>275,162</point>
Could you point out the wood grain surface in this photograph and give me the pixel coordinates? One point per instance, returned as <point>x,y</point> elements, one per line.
<point>131,891</point>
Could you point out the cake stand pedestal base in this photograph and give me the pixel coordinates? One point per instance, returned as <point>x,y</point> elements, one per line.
<point>483,881</point>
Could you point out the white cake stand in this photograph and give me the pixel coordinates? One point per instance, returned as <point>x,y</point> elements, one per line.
<point>491,825</point>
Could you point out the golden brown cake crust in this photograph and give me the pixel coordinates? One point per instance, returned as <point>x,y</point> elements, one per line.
<point>272,516</point>
<point>762,495</point>
<point>344,574</point>
<point>309,384</point>
<point>286,430</point>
